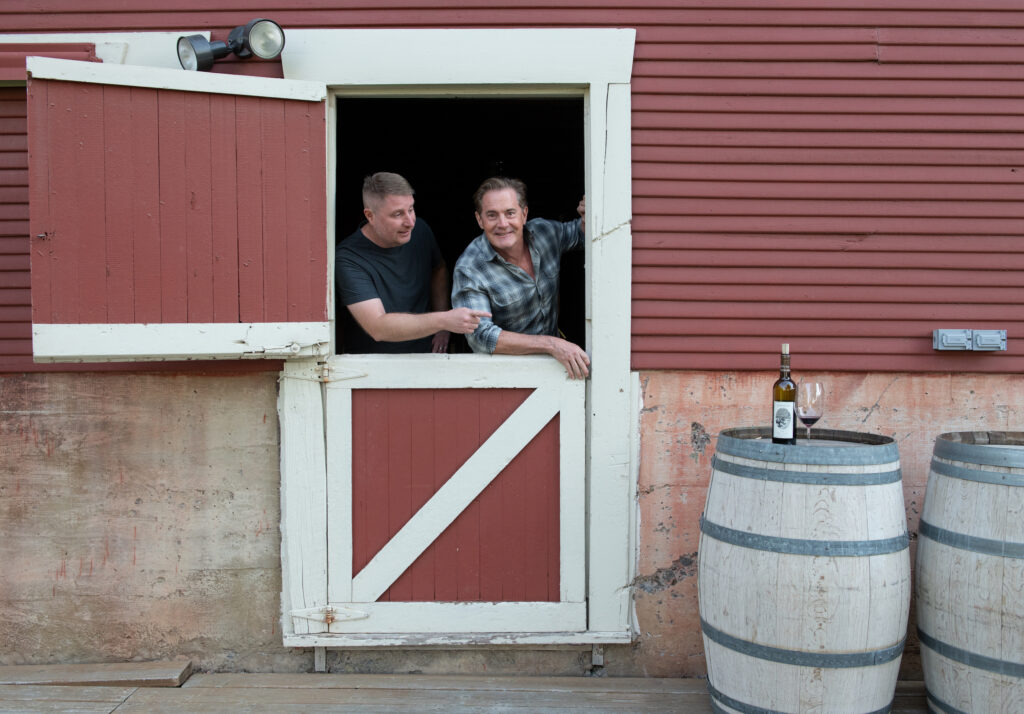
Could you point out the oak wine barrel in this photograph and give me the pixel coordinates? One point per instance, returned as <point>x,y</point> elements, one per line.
<point>804,573</point>
<point>970,574</point>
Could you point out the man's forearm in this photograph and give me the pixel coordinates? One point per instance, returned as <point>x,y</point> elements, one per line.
<point>572,356</point>
<point>403,326</point>
<point>516,343</point>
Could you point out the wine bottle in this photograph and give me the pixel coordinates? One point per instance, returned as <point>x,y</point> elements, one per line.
<point>784,403</point>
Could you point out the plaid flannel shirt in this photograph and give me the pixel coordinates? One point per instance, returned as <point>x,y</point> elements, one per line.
<point>483,280</point>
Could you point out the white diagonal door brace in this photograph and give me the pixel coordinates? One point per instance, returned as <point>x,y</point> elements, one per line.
<point>455,495</point>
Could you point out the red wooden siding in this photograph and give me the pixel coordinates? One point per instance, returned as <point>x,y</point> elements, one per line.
<point>12,56</point>
<point>406,444</point>
<point>15,313</point>
<point>174,207</point>
<point>15,300</point>
<point>845,176</point>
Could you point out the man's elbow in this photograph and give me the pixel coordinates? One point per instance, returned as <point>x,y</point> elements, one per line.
<point>482,342</point>
<point>378,330</point>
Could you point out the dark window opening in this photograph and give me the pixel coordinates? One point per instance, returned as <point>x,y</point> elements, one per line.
<point>446,148</point>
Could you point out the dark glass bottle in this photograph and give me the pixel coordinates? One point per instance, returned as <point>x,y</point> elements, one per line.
<point>784,403</point>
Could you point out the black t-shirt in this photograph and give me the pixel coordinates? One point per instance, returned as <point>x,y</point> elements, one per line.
<point>399,276</point>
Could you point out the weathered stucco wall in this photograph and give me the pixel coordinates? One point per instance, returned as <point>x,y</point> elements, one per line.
<point>683,413</point>
<point>139,514</point>
<point>139,519</point>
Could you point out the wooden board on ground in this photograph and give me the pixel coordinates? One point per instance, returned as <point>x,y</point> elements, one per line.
<point>452,682</point>
<point>113,674</point>
<point>27,698</point>
<point>199,700</point>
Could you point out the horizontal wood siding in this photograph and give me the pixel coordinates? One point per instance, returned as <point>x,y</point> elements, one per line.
<point>15,301</point>
<point>154,206</point>
<point>406,444</point>
<point>845,176</point>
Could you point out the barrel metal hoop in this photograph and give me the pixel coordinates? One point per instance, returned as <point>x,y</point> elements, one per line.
<point>718,699</point>
<point>805,477</point>
<point>974,544</point>
<point>799,546</point>
<point>989,454</point>
<point>995,477</point>
<point>864,449</point>
<point>799,658</point>
<point>934,701</point>
<point>989,664</point>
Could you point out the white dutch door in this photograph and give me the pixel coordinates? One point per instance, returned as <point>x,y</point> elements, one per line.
<point>451,501</point>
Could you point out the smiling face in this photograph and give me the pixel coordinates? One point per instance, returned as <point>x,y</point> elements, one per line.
<point>502,219</point>
<point>389,221</point>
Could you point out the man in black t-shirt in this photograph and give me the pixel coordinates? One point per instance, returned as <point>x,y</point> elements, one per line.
<point>390,273</point>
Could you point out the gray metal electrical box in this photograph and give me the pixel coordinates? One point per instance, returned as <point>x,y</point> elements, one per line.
<point>969,340</point>
<point>990,340</point>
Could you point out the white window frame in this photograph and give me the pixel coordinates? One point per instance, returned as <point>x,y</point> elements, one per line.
<point>597,65</point>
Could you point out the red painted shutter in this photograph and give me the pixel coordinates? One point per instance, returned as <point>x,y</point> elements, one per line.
<point>154,206</point>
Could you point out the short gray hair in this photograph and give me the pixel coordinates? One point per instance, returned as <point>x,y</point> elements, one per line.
<point>382,184</point>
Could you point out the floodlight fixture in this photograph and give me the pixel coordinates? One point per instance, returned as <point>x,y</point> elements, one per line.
<point>257,38</point>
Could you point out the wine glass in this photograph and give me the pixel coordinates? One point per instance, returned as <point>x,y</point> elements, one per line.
<point>810,404</point>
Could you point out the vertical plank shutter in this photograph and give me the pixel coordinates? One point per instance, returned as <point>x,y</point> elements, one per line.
<point>175,215</point>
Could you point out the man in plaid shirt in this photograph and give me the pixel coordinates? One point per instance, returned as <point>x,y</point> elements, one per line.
<point>511,271</point>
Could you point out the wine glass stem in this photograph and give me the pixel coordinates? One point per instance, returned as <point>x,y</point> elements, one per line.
<point>808,432</point>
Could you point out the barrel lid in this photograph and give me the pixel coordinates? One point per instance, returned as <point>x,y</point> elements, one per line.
<point>994,448</point>
<point>832,447</point>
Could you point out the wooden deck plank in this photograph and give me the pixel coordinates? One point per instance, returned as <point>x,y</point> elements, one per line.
<point>451,682</point>
<point>61,698</point>
<point>114,674</point>
<point>199,700</point>
<point>455,694</point>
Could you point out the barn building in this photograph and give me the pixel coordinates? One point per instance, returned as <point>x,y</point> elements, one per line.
<point>191,468</point>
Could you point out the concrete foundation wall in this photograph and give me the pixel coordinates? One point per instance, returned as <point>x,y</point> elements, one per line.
<point>682,416</point>
<point>139,514</point>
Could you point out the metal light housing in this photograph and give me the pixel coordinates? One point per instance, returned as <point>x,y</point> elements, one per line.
<point>257,38</point>
<point>196,53</point>
<point>260,37</point>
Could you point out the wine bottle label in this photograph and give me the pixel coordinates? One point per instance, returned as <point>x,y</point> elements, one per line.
<point>783,422</point>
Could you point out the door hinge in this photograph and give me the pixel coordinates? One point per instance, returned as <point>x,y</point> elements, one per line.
<point>329,373</point>
<point>330,613</point>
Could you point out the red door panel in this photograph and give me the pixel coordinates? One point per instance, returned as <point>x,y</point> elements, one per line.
<point>505,546</point>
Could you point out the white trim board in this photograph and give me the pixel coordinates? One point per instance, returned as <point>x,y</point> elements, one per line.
<point>578,57</point>
<point>179,341</point>
<point>450,618</point>
<point>545,640</point>
<point>177,79</point>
